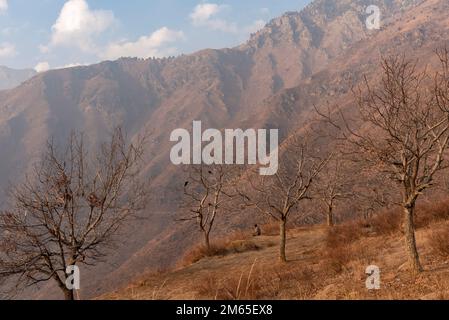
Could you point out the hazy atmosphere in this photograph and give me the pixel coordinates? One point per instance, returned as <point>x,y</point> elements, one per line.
<point>224,151</point>
<point>68,33</point>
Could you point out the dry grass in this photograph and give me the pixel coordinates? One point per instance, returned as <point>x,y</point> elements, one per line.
<point>439,241</point>
<point>270,229</point>
<point>259,282</point>
<point>324,263</point>
<point>237,242</point>
<point>219,248</point>
<point>429,213</point>
<point>340,240</point>
<point>386,222</point>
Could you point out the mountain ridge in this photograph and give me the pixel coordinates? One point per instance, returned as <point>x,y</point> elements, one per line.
<point>269,82</point>
<point>10,78</point>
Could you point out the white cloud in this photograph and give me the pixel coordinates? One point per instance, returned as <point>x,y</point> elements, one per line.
<point>3,5</point>
<point>203,12</point>
<point>77,25</point>
<point>42,67</point>
<point>7,50</point>
<point>81,27</point>
<point>72,65</point>
<point>157,44</point>
<point>204,15</point>
<point>45,66</point>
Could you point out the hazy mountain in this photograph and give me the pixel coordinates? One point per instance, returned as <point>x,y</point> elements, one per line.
<point>10,78</point>
<point>271,81</point>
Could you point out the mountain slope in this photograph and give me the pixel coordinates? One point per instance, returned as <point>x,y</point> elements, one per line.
<point>419,31</point>
<point>311,273</point>
<point>272,81</point>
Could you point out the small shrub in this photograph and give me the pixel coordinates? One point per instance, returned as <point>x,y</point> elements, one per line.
<point>339,257</point>
<point>386,222</point>
<point>429,213</point>
<point>344,234</point>
<point>260,283</point>
<point>219,248</point>
<point>270,229</point>
<point>238,286</point>
<point>439,241</point>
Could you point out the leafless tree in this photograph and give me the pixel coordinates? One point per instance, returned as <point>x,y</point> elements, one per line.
<point>334,186</point>
<point>403,132</point>
<point>208,190</point>
<point>68,211</point>
<point>280,195</point>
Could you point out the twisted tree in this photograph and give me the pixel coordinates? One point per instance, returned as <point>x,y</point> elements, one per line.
<point>69,210</point>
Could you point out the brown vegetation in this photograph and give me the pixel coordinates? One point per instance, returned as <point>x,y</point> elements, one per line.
<point>68,213</point>
<point>407,114</point>
<point>219,248</point>
<point>326,263</point>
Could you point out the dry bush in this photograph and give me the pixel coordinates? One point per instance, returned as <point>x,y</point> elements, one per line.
<point>301,282</point>
<point>338,258</point>
<point>387,222</point>
<point>259,283</point>
<point>208,287</point>
<point>339,240</point>
<point>241,286</point>
<point>270,229</point>
<point>344,234</point>
<point>218,248</point>
<point>200,252</point>
<point>439,241</point>
<point>429,213</point>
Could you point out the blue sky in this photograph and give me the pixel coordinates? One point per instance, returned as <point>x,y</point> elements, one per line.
<point>58,33</point>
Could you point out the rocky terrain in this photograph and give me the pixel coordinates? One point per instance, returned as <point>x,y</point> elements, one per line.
<point>272,81</point>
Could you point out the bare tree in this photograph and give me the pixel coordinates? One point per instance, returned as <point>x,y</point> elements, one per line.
<point>207,190</point>
<point>403,132</point>
<point>69,210</point>
<point>334,186</point>
<point>280,195</point>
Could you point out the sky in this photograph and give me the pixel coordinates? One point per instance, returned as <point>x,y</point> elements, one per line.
<point>50,34</point>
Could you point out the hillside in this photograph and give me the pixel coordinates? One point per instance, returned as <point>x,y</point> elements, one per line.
<point>272,81</point>
<point>316,268</point>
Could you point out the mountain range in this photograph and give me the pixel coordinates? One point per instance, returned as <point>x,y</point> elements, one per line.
<point>296,61</point>
<point>10,78</point>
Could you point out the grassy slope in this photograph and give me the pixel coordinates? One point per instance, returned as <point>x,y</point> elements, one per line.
<point>312,273</point>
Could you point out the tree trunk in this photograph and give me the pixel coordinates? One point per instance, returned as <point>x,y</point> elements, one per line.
<point>330,217</point>
<point>283,240</point>
<point>207,240</point>
<point>69,295</point>
<point>410,240</point>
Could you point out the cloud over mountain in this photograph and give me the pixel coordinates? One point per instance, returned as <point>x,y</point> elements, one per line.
<point>77,26</point>
<point>157,44</point>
